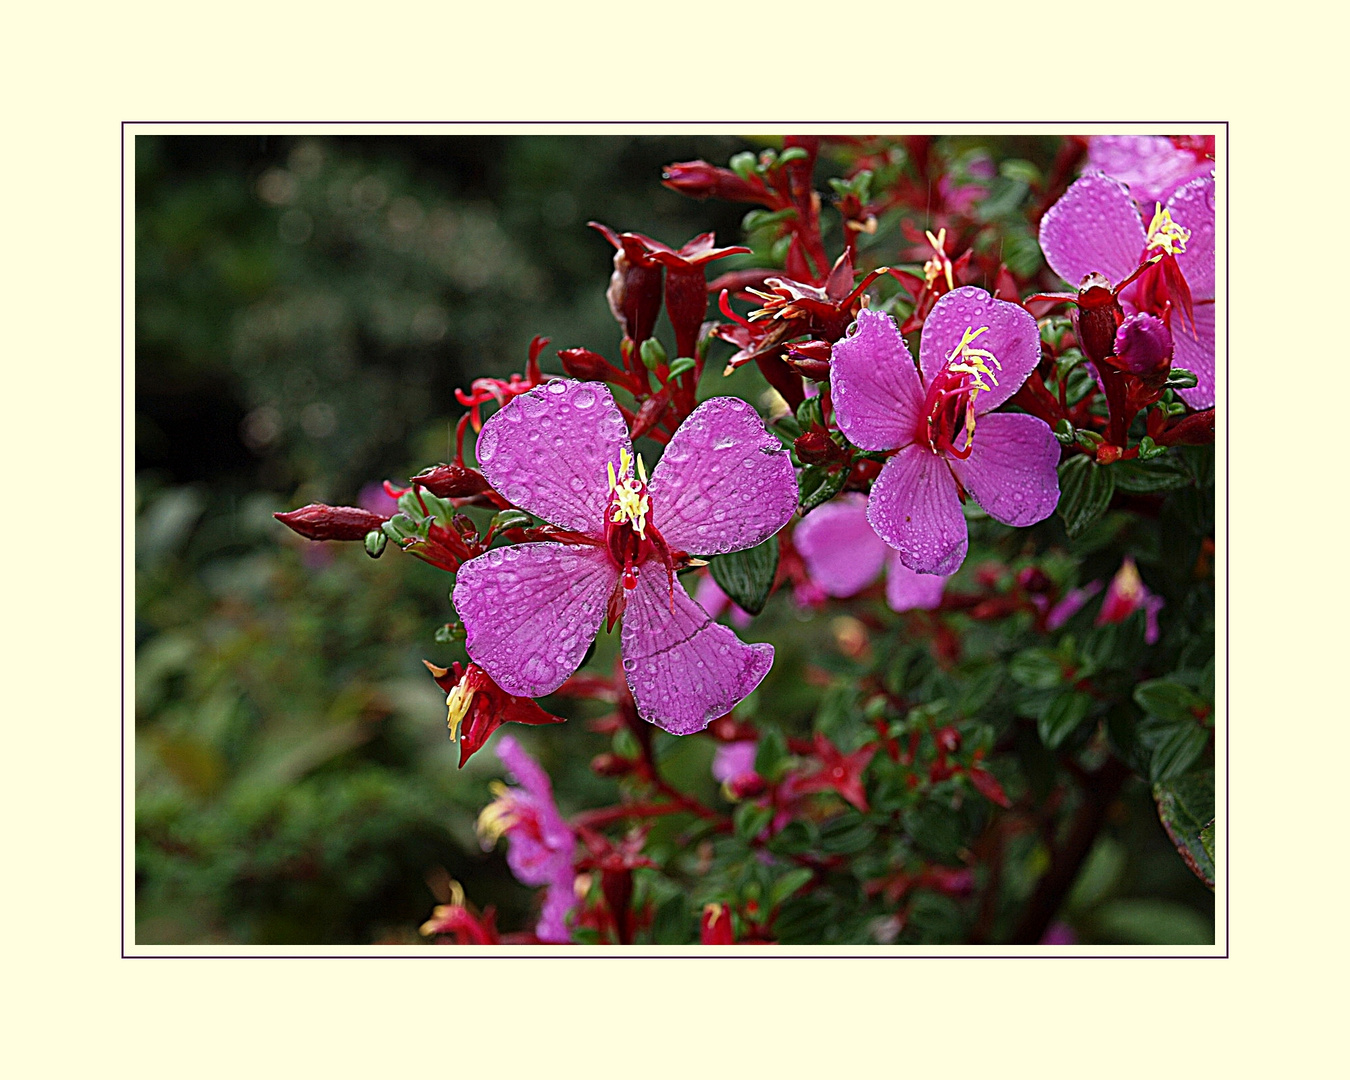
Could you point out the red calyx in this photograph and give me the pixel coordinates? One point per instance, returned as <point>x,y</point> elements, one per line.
<point>452,481</point>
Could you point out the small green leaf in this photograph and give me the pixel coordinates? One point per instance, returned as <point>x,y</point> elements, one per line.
<point>818,486</point>
<point>1178,749</point>
<point>1167,700</point>
<point>510,519</point>
<point>450,633</point>
<point>788,884</point>
<point>792,153</point>
<point>1181,379</point>
<point>1207,840</point>
<point>680,365</point>
<point>1145,476</point>
<point>653,353</point>
<point>1064,433</point>
<point>1186,808</point>
<point>751,819</point>
<point>808,413</point>
<point>747,576</point>
<point>1038,669</point>
<point>1085,491</point>
<point>1064,713</point>
<point>771,754</point>
<point>743,164</point>
<point>375,542</point>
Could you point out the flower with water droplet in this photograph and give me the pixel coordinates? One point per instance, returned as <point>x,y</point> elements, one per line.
<point>974,353</point>
<point>627,532</point>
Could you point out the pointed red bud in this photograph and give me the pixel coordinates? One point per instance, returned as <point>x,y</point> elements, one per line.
<point>587,366</point>
<point>452,481</point>
<point>319,522</point>
<point>699,180</point>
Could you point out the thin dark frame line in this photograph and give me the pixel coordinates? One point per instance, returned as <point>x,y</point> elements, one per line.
<point>122,512</point>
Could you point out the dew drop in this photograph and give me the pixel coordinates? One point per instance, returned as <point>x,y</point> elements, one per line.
<point>584,398</point>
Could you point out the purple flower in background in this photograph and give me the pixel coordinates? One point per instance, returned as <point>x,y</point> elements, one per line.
<point>710,597</point>
<point>1069,606</point>
<point>1152,166</point>
<point>1097,228</point>
<point>541,843</point>
<point>974,353</point>
<point>734,760</point>
<point>562,452</point>
<point>843,554</point>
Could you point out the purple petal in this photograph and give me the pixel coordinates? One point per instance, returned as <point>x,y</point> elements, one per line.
<point>559,900</point>
<point>876,389</point>
<point>724,483</point>
<point>842,553</point>
<point>531,611</point>
<point>684,669</point>
<point>1013,339</point>
<point>1094,226</point>
<point>915,508</point>
<point>1012,472</point>
<point>1192,207</point>
<point>1196,354</point>
<point>547,452</point>
<point>1070,605</point>
<point>1150,164</point>
<point>905,589</point>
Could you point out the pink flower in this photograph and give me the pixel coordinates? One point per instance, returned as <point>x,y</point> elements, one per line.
<point>541,842</point>
<point>1127,594</point>
<point>974,353</point>
<point>1097,228</point>
<point>843,554</point>
<point>734,760</point>
<point>1152,166</point>
<point>562,452</point>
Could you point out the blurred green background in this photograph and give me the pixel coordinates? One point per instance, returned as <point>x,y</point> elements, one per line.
<point>305,308</point>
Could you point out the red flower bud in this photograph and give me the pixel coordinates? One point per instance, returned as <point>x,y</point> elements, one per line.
<point>810,359</point>
<point>452,481</point>
<point>699,180</point>
<point>611,765</point>
<point>715,926</point>
<point>817,448</point>
<point>319,522</point>
<point>587,366</point>
<point>948,739</point>
<point>1033,579</point>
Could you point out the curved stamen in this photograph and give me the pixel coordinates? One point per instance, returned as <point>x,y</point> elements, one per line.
<point>1166,236</point>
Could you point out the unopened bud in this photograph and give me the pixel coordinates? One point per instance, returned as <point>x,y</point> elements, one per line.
<point>1143,345</point>
<point>817,448</point>
<point>319,522</point>
<point>810,359</point>
<point>586,365</point>
<point>1033,579</point>
<point>452,481</point>
<point>611,765</point>
<point>700,180</point>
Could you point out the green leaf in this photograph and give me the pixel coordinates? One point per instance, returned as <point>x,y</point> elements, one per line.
<point>1038,669</point>
<point>846,835</point>
<point>1085,490</point>
<point>510,519</point>
<point>1158,474</point>
<point>1177,751</point>
<point>1181,379</point>
<point>747,576</point>
<point>1186,808</point>
<point>808,413</point>
<point>1167,700</point>
<point>771,754</point>
<point>818,486</point>
<point>653,353</point>
<point>788,884</point>
<point>1207,840</point>
<point>1064,713</point>
<point>680,365</point>
<point>751,819</point>
<point>450,633</point>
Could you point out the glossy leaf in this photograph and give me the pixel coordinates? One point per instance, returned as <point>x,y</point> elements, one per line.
<point>1186,807</point>
<point>1085,490</point>
<point>747,576</point>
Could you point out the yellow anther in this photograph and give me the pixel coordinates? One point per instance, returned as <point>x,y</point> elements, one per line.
<point>939,263</point>
<point>975,363</point>
<point>457,704</point>
<point>1128,584</point>
<point>1165,235</point>
<point>497,816</point>
<point>628,494</point>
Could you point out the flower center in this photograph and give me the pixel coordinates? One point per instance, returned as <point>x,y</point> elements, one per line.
<point>1165,236</point>
<point>629,503</point>
<point>950,403</point>
<point>498,816</point>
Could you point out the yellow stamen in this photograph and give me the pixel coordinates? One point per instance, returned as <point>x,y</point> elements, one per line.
<point>629,494</point>
<point>1129,585</point>
<point>939,263</point>
<point>975,363</point>
<point>1165,235</point>
<point>497,816</point>
<point>457,704</point>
